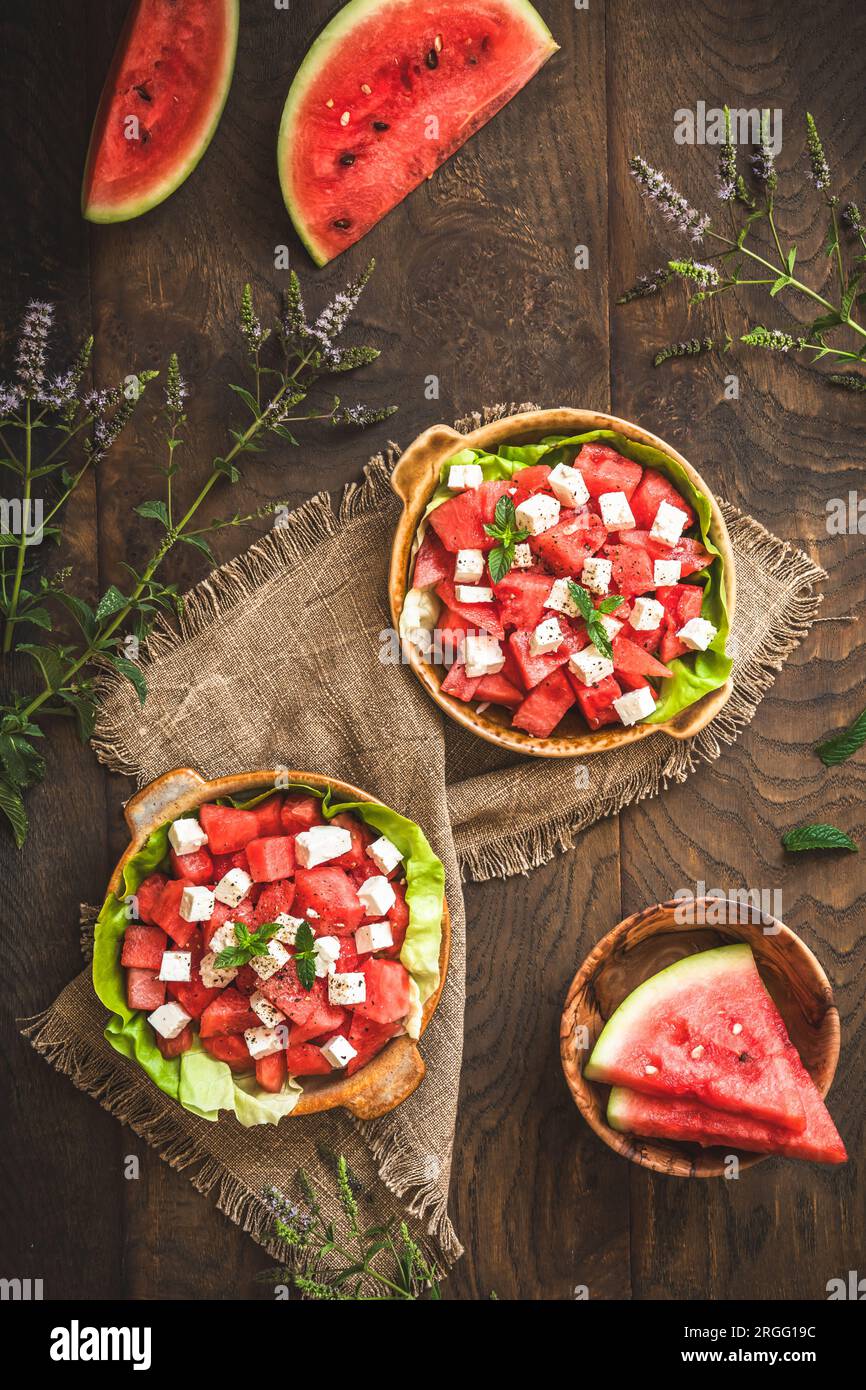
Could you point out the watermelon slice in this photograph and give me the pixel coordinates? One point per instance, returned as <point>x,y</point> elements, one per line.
<point>386,94</point>
<point>692,1123</point>
<point>704,1029</point>
<point>542,709</point>
<point>432,563</point>
<point>160,106</point>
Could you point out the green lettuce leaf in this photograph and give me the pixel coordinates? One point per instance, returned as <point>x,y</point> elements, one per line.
<point>201,1083</point>
<point>696,674</point>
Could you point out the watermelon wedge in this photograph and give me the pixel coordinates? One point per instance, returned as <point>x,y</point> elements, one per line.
<point>691,1123</point>
<point>387,92</point>
<point>704,1029</point>
<point>160,106</point>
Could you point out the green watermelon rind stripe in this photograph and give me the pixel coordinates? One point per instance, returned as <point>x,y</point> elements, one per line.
<point>675,979</point>
<point>321,47</point>
<point>126,211</point>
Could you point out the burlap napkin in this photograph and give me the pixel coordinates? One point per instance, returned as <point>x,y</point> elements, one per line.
<point>278,661</point>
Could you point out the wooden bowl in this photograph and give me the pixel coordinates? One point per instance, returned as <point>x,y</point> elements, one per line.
<point>645,943</point>
<point>395,1072</point>
<point>415,479</point>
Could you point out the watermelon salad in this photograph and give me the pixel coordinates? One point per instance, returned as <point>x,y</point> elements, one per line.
<point>287,939</point>
<point>569,576</point>
<point>700,1054</point>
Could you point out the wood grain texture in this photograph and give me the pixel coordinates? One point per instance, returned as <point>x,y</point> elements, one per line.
<point>476,286</point>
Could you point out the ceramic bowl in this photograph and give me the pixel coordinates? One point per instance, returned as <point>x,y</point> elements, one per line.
<point>415,479</point>
<point>395,1072</point>
<point>645,943</point>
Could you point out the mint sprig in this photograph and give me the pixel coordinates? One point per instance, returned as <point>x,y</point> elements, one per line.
<point>818,836</point>
<point>503,528</point>
<point>844,744</point>
<point>305,956</point>
<point>249,944</point>
<point>592,616</point>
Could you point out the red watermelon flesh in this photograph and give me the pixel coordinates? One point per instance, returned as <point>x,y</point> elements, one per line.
<point>654,489</point>
<point>596,701</point>
<point>632,569</point>
<point>498,690</point>
<point>692,1123</point>
<point>458,684</point>
<point>387,93</point>
<point>690,553</point>
<point>704,1029</point>
<point>567,544</point>
<point>521,598</point>
<point>160,105</point>
<point>483,615</point>
<point>528,481</point>
<point>631,658</point>
<point>432,563</point>
<point>459,523</point>
<point>545,706</point>
<point>534,669</point>
<point>604,470</point>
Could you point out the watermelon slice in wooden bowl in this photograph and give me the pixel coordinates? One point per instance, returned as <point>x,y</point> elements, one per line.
<point>387,92</point>
<point>701,1030</point>
<point>208,857</point>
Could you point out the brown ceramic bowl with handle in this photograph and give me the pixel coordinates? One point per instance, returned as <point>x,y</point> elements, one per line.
<point>396,1071</point>
<point>644,944</point>
<point>415,479</point>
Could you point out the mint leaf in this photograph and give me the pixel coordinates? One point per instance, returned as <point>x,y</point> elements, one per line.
<point>611,603</point>
<point>844,744</point>
<point>818,836</point>
<point>305,956</point>
<point>582,600</point>
<point>499,562</point>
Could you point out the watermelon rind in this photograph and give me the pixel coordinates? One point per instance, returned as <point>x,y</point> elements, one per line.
<point>125,211</point>
<point>698,969</point>
<point>332,35</point>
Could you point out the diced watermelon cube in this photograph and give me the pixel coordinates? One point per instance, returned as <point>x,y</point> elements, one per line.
<point>288,994</point>
<point>174,1047</point>
<point>143,947</point>
<point>166,914</point>
<point>630,680</point>
<point>497,690</point>
<point>361,838</point>
<point>275,899</point>
<point>530,480</point>
<point>246,980</point>
<point>459,523</point>
<point>596,701</point>
<point>692,556</point>
<point>458,684</point>
<point>545,705</point>
<point>193,868</point>
<point>629,657</point>
<point>367,1038</point>
<point>387,998</point>
<point>604,470</point>
<point>193,994</point>
<point>681,602</point>
<point>479,615</point>
<point>534,669</point>
<point>324,1019</point>
<point>231,1049</point>
<point>223,863</point>
<point>654,489</point>
<point>632,569</point>
<point>299,812</point>
<point>330,894</point>
<point>432,562</point>
<point>227,828</point>
<point>244,912</point>
<point>148,894</point>
<point>521,596</point>
<point>271,858</point>
<point>269,816</point>
<point>144,990</point>
<point>566,546</point>
<point>230,1012</point>
<point>271,1071</point>
<point>306,1060</point>
<point>398,916</point>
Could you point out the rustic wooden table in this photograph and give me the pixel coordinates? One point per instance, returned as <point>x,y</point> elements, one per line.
<point>477,285</point>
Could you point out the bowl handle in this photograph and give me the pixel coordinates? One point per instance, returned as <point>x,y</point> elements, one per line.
<point>392,1085</point>
<point>698,716</point>
<point>152,804</point>
<point>416,469</point>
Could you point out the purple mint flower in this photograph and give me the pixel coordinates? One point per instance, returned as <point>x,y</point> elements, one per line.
<point>32,346</point>
<point>674,206</point>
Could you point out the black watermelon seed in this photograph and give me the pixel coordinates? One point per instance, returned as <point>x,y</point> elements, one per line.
<point>432,59</point>
<point>143,92</point>
<point>347,158</point>
<point>381,125</point>
<point>343,223</point>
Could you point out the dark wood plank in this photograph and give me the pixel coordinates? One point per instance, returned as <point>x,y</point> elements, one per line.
<point>781,451</point>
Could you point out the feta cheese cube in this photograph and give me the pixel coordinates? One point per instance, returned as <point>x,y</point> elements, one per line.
<point>596,574</point>
<point>465,476</point>
<point>469,566</point>
<point>186,836</point>
<point>669,523</point>
<point>266,966</point>
<point>384,854</point>
<point>176,965</point>
<point>616,514</point>
<point>473,593</point>
<point>536,514</point>
<point>320,844</point>
<point>546,637</point>
<point>611,625</point>
<point>196,903</point>
<point>288,931</point>
<point>667,571</point>
<point>265,1010</point>
<point>338,1051</point>
<point>169,1019</point>
<point>522,556</point>
<point>560,599</point>
<point>212,977</point>
<point>482,655</point>
<point>697,634</point>
<point>263,1042</point>
<point>376,896</point>
<point>635,705</point>
<point>590,666</point>
<point>223,937</point>
<point>373,936</point>
<point>327,950</point>
<point>349,987</point>
<point>646,614</point>
<point>568,485</point>
<point>233,887</point>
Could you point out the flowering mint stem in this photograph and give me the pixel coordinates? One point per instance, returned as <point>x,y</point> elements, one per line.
<point>11,616</point>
